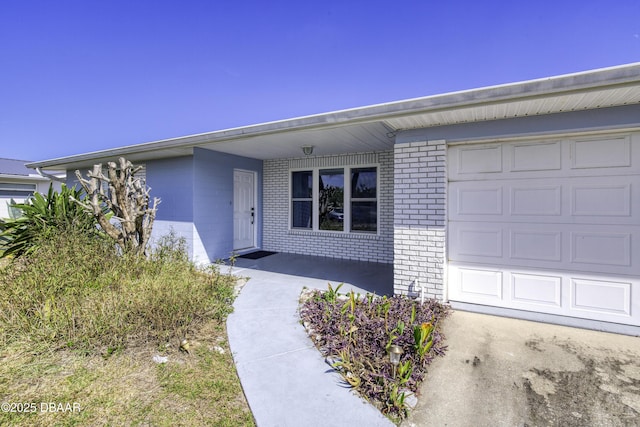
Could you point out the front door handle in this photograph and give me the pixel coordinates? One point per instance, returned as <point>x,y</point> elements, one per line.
<point>253,215</point>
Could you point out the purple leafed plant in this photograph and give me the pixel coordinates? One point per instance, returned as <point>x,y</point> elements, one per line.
<point>356,332</point>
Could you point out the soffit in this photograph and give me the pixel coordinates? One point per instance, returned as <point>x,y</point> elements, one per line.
<point>558,103</point>
<point>378,135</point>
<point>371,128</point>
<point>362,137</point>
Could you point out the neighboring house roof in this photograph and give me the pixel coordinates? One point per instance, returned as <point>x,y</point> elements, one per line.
<point>372,128</point>
<point>15,169</point>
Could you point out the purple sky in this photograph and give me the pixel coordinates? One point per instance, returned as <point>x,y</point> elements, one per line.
<point>80,76</point>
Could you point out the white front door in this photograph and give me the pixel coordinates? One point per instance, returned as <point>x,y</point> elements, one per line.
<point>244,214</point>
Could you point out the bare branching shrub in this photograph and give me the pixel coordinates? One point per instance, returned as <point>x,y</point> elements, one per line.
<point>127,198</point>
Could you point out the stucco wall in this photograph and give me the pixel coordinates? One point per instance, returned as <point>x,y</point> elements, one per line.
<point>213,199</point>
<point>196,194</point>
<point>172,181</point>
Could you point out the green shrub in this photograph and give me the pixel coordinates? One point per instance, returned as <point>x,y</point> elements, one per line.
<point>73,290</point>
<point>41,215</point>
<point>356,334</point>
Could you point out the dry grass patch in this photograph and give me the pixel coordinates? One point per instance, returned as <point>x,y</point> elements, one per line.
<point>80,325</point>
<point>200,388</point>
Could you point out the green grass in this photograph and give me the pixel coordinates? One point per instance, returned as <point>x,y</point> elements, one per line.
<point>80,325</point>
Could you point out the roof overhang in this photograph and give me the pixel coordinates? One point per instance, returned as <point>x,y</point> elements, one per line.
<point>372,128</point>
<point>10,177</point>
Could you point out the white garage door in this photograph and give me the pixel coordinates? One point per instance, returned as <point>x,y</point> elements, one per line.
<point>547,226</point>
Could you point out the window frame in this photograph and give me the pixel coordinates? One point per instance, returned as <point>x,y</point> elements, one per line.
<point>347,221</point>
<point>375,199</point>
<point>17,189</point>
<point>344,197</point>
<point>300,199</point>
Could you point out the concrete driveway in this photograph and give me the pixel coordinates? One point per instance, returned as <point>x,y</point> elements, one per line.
<point>508,372</point>
<point>497,371</point>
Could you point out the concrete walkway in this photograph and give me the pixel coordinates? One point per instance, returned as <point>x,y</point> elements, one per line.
<point>284,377</point>
<point>497,371</point>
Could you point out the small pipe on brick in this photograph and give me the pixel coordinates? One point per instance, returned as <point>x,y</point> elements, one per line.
<point>418,284</point>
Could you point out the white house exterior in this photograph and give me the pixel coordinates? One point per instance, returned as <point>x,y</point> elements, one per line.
<point>17,183</point>
<point>521,199</point>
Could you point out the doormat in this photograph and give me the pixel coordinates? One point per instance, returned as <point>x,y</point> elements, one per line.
<point>257,255</point>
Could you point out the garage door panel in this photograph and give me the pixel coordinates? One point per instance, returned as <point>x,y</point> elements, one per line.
<point>536,200</point>
<point>580,247</point>
<point>547,226</point>
<point>589,200</point>
<point>597,156</point>
<point>480,201</point>
<point>535,156</point>
<point>594,198</point>
<point>607,249</point>
<point>474,242</point>
<point>601,153</point>
<point>600,296</point>
<point>512,244</point>
<point>535,245</point>
<point>536,289</point>
<point>476,200</point>
<point>483,284</point>
<point>478,159</point>
<point>597,297</point>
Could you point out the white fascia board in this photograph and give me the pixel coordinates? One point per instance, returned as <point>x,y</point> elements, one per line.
<point>22,177</point>
<point>628,74</point>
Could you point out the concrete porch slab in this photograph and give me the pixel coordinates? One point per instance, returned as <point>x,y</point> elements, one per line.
<point>365,276</point>
<point>285,379</point>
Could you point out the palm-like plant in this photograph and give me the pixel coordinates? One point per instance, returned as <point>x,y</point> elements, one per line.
<point>55,212</point>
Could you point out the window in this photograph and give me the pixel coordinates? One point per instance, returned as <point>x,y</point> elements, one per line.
<point>364,203</point>
<point>301,199</point>
<point>331,199</point>
<point>337,199</point>
<point>14,189</point>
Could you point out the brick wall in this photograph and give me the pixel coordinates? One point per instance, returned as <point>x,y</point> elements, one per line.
<point>419,217</point>
<point>357,246</point>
